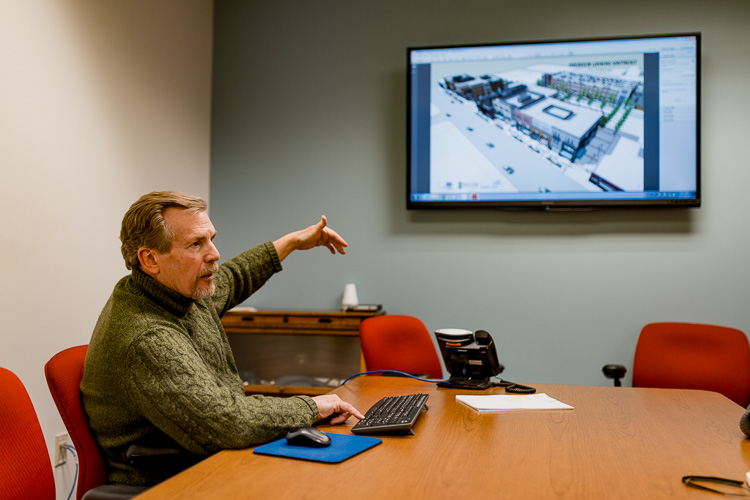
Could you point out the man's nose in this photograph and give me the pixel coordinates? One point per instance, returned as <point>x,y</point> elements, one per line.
<point>213,253</point>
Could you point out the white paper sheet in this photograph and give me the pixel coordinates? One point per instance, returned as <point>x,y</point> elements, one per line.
<point>506,402</point>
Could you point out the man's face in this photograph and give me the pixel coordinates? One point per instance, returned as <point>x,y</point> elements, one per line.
<point>189,266</point>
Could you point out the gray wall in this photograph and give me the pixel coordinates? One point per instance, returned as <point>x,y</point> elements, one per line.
<point>309,117</point>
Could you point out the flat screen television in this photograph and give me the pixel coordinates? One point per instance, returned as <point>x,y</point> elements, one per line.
<point>582,123</point>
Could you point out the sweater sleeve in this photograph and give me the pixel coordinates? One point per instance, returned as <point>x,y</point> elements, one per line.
<point>171,386</point>
<point>243,275</point>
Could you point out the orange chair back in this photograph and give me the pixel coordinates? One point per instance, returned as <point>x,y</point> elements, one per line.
<point>694,356</point>
<point>25,467</point>
<point>64,373</point>
<point>394,342</point>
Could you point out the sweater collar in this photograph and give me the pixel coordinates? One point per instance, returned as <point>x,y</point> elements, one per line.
<point>163,296</point>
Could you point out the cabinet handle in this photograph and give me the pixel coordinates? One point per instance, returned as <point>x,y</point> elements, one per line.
<point>325,320</point>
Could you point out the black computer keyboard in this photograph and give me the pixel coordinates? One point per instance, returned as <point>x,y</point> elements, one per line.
<point>394,413</point>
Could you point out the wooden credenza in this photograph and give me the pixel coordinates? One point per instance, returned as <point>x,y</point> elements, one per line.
<point>295,352</point>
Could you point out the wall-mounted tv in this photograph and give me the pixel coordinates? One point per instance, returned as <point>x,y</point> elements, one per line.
<point>580,123</point>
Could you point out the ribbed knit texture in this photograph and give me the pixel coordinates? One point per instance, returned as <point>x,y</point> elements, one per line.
<point>159,371</point>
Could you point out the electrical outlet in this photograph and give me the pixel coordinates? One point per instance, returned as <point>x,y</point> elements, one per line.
<point>61,454</point>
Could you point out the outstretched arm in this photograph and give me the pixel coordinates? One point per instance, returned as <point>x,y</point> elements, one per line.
<point>314,236</point>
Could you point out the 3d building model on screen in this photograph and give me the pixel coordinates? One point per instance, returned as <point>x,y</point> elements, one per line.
<point>562,110</point>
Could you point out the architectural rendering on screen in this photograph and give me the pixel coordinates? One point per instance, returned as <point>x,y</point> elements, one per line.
<point>588,123</point>
<point>572,120</point>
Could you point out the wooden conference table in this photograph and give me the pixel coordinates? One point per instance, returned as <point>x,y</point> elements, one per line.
<point>617,443</point>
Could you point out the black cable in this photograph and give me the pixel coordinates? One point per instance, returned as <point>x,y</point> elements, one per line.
<point>404,374</point>
<point>512,387</point>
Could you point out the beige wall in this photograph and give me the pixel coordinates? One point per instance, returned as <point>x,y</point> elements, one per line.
<point>99,102</point>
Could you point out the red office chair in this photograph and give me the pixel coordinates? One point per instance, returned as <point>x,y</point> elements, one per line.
<point>25,467</point>
<point>402,343</point>
<point>64,373</point>
<point>693,356</point>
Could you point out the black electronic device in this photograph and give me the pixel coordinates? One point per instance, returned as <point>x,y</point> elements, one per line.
<point>392,413</point>
<point>570,124</point>
<point>309,437</point>
<point>470,358</point>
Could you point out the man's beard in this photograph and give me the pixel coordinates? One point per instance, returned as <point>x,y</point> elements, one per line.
<point>204,293</point>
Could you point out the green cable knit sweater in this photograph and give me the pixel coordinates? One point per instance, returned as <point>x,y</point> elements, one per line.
<point>159,371</point>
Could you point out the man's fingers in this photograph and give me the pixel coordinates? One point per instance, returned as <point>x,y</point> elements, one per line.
<point>335,242</point>
<point>340,418</point>
<point>330,405</point>
<point>351,410</point>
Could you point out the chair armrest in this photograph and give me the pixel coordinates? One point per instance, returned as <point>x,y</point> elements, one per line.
<point>114,492</point>
<point>137,452</point>
<point>174,459</point>
<point>169,461</point>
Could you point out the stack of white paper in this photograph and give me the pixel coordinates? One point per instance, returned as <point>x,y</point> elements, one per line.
<point>513,402</point>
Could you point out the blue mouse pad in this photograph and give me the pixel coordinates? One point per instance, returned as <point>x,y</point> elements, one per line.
<point>342,446</point>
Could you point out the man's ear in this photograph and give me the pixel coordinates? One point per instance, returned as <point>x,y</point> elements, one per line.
<point>148,259</point>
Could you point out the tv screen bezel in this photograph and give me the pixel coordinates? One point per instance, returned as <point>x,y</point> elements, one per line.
<point>554,202</point>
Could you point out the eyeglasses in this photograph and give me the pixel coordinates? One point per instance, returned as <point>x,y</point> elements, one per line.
<point>730,487</point>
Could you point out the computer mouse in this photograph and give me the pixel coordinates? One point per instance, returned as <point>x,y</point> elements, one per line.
<point>308,436</point>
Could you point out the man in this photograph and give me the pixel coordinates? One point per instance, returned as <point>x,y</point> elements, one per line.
<point>159,370</point>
